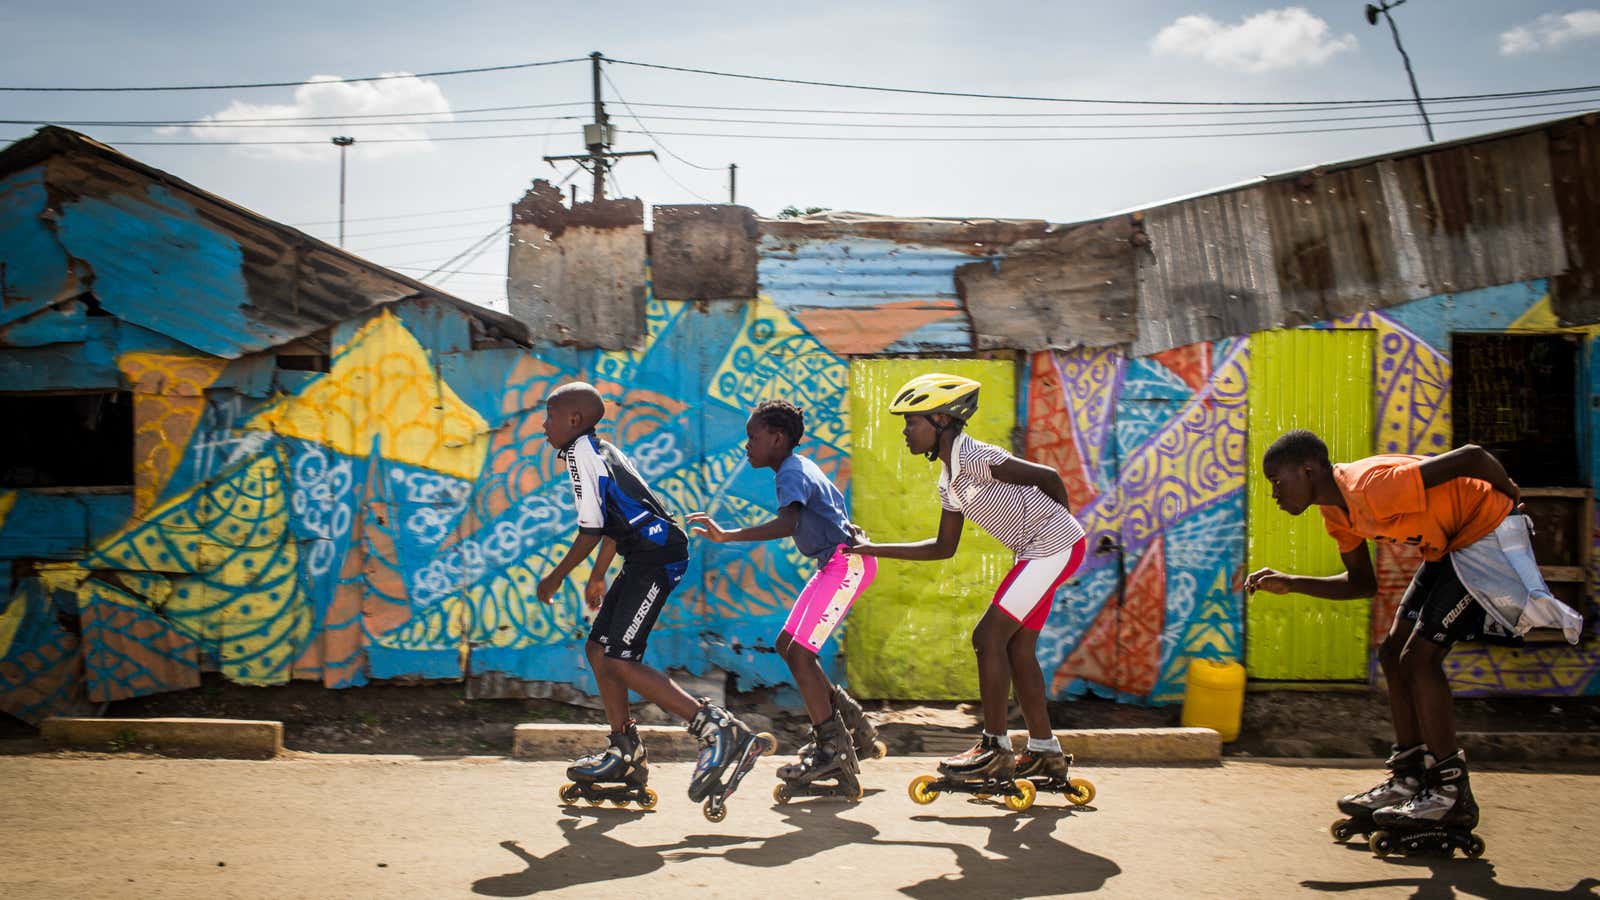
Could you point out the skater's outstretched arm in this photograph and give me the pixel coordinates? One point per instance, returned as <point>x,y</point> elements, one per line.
<point>781,525</point>
<point>941,547</point>
<point>1020,471</point>
<point>1468,461</point>
<point>582,546</point>
<point>1356,581</point>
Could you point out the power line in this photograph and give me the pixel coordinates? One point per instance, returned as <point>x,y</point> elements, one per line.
<point>1086,138</point>
<point>680,184</point>
<point>988,127</point>
<point>438,212</point>
<point>319,122</point>
<point>1087,100</point>
<point>442,240</point>
<point>418,228</point>
<point>268,84</point>
<point>474,245</point>
<point>658,143</point>
<point>716,120</point>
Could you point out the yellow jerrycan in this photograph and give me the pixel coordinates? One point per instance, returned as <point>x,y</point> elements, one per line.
<point>1213,696</point>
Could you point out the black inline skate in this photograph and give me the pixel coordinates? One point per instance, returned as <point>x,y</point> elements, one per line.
<point>1047,769</point>
<point>1440,818</point>
<point>728,751</point>
<point>862,732</point>
<point>618,773</point>
<point>1406,766</point>
<point>987,770</point>
<point>828,766</point>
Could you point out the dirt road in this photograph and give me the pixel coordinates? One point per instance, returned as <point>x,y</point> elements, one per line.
<point>404,827</point>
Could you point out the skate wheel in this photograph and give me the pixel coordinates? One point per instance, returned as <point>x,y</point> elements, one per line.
<point>1475,847</point>
<point>620,803</point>
<point>1026,792</point>
<point>981,796</point>
<point>1080,791</point>
<point>714,813</point>
<point>1380,843</point>
<point>650,799</point>
<point>921,793</point>
<point>772,743</point>
<point>570,793</point>
<point>879,749</point>
<point>780,794</point>
<point>1340,829</point>
<point>860,792</point>
<point>595,801</point>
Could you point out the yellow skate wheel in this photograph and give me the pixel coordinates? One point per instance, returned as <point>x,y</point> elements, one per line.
<point>861,791</point>
<point>1025,799</point>
<point>1340,829</point>
<point>1475,847</point>
<point>714,813</point>
<point>920,791</point>
<point>780,793</point>
<point>879,749</point>
<point>651,798</point>
<point>620,803</point>
<point>594,801</point>
<point>1380,843</point>
<point>772,743</point>
<point>570,793</point>
<point>1080,791</point>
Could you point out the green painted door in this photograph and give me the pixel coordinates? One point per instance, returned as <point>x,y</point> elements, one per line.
<point>909,636</point>
<point>1321,380</point>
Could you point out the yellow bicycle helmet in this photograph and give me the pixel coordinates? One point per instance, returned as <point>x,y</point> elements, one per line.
<point>936,392</point>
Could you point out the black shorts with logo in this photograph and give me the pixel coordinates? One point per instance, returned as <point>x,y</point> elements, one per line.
<point>632,604</point>
<point>1444,611</point>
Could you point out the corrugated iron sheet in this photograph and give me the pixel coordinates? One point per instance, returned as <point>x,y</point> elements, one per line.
<point>187,264</point>
<point>868,295</point>
<point>1074,287</point>
<point>1321,380</point>
<point>1575,173</point>
<point>1332,241</point>
<point>1208,273</point>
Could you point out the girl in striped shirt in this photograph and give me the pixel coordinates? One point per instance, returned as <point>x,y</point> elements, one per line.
<point>1024,505</point>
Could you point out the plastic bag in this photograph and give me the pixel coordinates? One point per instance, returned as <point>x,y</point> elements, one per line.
<point>1502,575</point>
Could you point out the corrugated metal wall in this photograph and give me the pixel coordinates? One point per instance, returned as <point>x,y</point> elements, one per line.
<point>909,634</point>
<point>1321,380</point>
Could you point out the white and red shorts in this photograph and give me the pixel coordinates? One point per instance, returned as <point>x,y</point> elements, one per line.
<point>1029,588</point>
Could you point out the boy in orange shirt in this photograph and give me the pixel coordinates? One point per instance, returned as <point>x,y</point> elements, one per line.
<point>1439,505</point>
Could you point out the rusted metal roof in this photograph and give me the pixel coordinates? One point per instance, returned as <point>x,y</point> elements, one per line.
<point>1334,240</point>
<point>166,255</point>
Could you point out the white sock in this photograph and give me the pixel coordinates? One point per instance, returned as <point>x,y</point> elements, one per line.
<point>998,737</point>
<point>1044,745</point>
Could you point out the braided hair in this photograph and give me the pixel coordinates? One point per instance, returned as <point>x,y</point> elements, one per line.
<point>781,415</point>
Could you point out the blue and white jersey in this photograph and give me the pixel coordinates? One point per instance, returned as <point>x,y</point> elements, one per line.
<point>612,500</point>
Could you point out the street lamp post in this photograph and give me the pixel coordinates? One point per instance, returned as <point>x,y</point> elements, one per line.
<point>343,143</point>
<point>1381,8</point>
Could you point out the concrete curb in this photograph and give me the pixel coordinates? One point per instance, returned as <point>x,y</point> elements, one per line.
<point>224,738</point>
<point>1531,746</point>
<point>1100,745</point>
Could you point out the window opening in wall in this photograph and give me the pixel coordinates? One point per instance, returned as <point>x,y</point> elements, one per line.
<point>67,440</point>
<point>1516,396</point>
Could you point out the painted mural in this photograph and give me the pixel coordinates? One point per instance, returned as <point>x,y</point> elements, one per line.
<point>388,518</point>
<point>1153,453</point>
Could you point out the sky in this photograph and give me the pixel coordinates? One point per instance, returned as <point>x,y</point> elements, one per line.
<point>418,203</point>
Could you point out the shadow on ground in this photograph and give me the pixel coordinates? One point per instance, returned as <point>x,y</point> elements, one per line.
<point>1023,858</point>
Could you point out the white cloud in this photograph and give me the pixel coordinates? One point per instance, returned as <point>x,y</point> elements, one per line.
<point>1285,38</point>
<point>328,95</point>
<point>1551,31</point>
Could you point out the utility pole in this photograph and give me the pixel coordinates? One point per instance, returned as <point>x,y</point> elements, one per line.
<point>343,143</point>
<point>597,138</point>
<point>733,184</point>
<point>1382,9</point>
